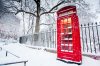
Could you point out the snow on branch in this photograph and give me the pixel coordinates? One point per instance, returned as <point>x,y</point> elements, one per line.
<point>50,11</point>
<point>26,12</point>
<point>35,1</point>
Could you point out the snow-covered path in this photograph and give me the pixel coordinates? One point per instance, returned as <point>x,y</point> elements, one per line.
<point>43,58</point>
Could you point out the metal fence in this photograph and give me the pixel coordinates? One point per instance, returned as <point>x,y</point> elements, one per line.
<point>48,38</point>
<point>89,33</point>
<point>90,37</point>
<point>45,39</point>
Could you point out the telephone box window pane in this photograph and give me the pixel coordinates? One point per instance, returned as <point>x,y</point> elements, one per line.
<point>64,42</point>
<point>62,47</point>
<point>69,20</point>
<point>64,30</point>
<point>69,30</point>
<point>62,21</point>
<point>70,42</point>
<point>69,24</point>
<point>65,21</point>
<point>70,48</point>
<point>65,26</point>
<point>62,36</point>
<point>70,36</point>
<point>66,48</point>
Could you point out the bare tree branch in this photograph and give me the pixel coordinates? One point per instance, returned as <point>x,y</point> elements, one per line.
<point>50,11</point>
<point>46,13</point>
<point>31,26</point>
<point>42,9</point>
<point>11,7</point>
<point>35,1</point>
<point>26,12</point>
<point>6,12</point>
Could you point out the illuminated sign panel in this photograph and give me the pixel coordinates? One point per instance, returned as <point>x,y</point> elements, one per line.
<point>67,13</point>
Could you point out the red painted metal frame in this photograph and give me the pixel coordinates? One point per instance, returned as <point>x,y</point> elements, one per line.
<point>75,55</point>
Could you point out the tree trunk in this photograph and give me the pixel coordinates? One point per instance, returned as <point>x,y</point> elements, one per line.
<point>37,26</point>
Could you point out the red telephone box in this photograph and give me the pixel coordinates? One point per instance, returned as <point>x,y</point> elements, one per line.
<point>68,35</point>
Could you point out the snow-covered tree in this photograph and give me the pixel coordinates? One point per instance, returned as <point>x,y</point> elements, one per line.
<point>42,11</point>
<point>8,22</point>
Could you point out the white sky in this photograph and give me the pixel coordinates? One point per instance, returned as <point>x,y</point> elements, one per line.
<point>95,6</point>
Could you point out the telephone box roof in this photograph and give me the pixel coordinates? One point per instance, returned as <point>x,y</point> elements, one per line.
<point>66,8</point>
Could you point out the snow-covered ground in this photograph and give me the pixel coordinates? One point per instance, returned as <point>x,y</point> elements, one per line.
<point>39,57</point>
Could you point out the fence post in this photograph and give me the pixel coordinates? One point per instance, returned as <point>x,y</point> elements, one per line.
<point>97,34</point>
<point>89,37</point>
<point>82,36</point>
<point>55,37</point>
<point>86,38</point>
<point>93,38</point>
<point>43,36</point>
<point>53,32</point>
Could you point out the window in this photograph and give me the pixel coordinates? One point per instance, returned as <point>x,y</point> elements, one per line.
<point>66,35</point>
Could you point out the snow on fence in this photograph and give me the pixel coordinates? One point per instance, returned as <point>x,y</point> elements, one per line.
<point>90,37</point>
<point>89,33</point>
<point>46,39</point>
